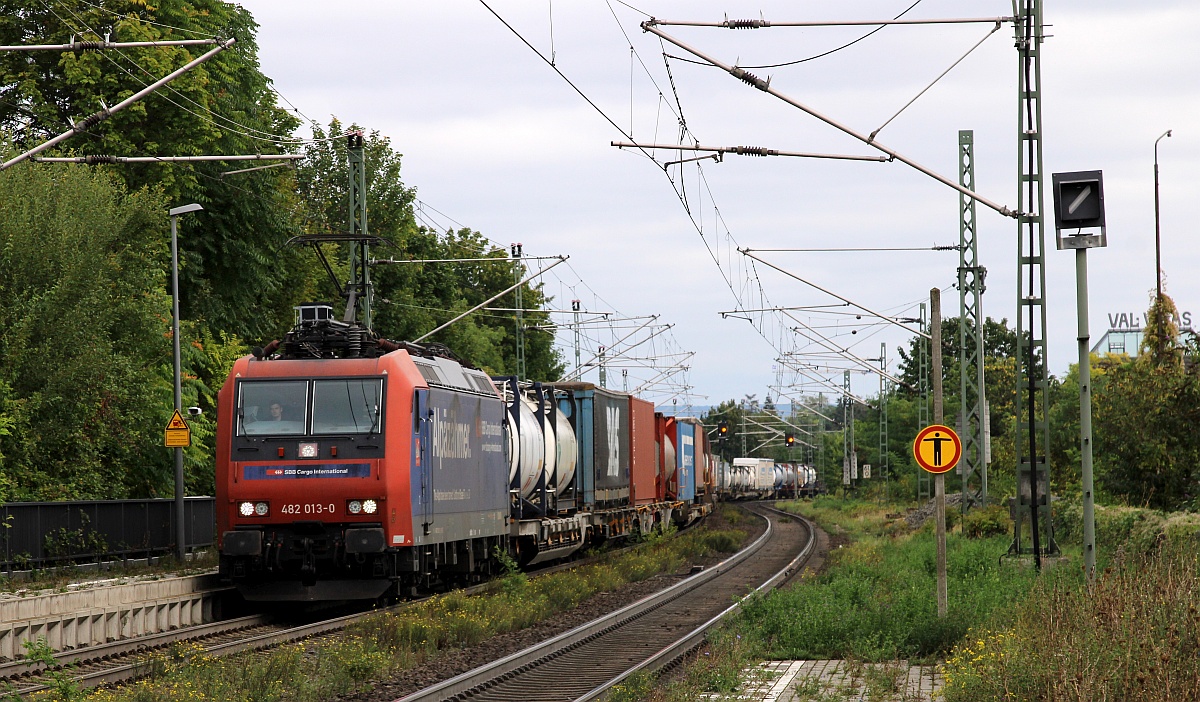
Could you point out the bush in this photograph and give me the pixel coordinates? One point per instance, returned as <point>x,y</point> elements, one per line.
<point>992,520</point>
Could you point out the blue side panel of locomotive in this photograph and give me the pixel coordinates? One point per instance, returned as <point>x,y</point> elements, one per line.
<point>460,483</point>
<point>686,451</point>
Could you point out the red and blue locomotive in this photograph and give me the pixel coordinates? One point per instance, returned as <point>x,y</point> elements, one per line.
<point>353,467</point>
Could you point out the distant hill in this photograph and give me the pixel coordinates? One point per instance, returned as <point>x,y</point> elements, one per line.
<point>698,411</point>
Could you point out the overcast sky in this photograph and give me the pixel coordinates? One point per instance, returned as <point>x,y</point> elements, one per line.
<point>495,139</point>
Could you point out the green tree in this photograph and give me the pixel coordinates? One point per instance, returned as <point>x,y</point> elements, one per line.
<point>1144,416</point>
<point>414,298</point>
<point>236,275</point>
<point>83,335</point>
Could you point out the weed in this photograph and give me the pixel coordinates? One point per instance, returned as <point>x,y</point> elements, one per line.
<point>635,687</point>
<point>60,678</point>
<point>385,643</point>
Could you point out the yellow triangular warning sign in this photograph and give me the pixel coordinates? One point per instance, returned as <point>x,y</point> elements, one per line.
<point>177,421</point>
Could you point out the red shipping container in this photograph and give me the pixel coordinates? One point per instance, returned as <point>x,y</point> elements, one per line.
<point>643,468</point>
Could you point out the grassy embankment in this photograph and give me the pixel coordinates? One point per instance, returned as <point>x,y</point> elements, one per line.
<point>1134,636</point>
<point>1010,634</point>
<point>387,644</point>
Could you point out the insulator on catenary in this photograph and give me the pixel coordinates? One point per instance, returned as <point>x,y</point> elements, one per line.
<point>750,78</point>
<point>99,158</point>
<point>89,122</point>
<point>87,45</point>
<point>753,151</point>
<point>745,24</point>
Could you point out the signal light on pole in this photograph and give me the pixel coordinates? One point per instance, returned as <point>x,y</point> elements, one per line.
<point>790,440</point>
<point>722,429</point>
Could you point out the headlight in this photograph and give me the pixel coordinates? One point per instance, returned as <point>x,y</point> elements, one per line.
<point>309,451</point>
<point>261,509</point>
<point>369,506</point>
<point>354,507</point>
<point>246,509</point>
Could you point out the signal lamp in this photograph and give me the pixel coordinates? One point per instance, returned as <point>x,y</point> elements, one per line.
<point>790,440</point>
<point>246,509</point>
<point>369,506</point>
<point>354,507</point>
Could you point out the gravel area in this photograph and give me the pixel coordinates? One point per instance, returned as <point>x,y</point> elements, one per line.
<point>451,663</point>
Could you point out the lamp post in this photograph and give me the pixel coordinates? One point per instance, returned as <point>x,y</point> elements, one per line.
<point>180,534</point>
<point>1157,230</point>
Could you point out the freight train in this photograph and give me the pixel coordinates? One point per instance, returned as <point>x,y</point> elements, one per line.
<point>351,467</point>
<point>763,478</point>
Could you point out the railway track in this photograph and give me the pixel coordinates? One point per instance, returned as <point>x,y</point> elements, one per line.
<point>125,660</point>
<point>584,663</point>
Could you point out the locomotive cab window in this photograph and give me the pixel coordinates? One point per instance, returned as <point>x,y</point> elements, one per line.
<point>347,406</point>
<point>273,408</point>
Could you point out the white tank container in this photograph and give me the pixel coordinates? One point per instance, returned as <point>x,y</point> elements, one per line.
<point>567,452</point>
<point>528,462</point>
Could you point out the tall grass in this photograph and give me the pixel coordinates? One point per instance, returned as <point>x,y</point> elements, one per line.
<point>1135,635</point>
<point>877,600</point>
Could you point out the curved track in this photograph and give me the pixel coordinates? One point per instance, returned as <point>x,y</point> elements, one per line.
<point>124,660</point>
<point>584,663</point>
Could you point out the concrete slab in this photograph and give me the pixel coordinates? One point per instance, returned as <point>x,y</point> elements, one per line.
<point>91,613</point>
<point>835,680</point>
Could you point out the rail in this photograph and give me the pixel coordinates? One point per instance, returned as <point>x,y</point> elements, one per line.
<point>471,682</point>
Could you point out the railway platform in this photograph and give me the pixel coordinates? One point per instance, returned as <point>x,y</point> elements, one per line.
<point>808,681</point>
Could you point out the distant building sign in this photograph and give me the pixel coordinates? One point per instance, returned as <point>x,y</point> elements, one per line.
<point>1132,321</point>
<point>1124,333</point>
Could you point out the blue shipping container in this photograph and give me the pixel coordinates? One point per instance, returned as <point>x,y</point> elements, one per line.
<point>686,443</point>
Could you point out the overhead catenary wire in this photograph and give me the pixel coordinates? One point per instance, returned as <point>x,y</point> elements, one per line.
<point>833,294</point>
<point>488,301</point>
<point>765,86</point>
<point>935,80</point>
<point>749,151</point>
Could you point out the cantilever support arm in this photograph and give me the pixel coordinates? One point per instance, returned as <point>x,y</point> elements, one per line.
<point>490,300</point>
<point>765,86</point>
<point>92,120</point>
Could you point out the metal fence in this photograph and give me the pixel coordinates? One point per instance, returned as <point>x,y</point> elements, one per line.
<point>40,534</point>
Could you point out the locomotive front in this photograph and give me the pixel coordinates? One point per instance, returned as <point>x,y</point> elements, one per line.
<point>349,466</point>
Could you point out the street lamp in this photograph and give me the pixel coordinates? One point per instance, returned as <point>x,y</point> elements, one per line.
<point>1157,232</point>
<point>180,534</point>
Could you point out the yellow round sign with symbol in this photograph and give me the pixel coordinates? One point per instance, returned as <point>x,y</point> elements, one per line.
<point>937,448</point>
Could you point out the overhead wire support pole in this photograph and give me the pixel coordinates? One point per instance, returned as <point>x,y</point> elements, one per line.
<point>748,151</point>
<point>1033,386</point>
<point>971,275</point>
<point>98,117</point>
<point>490,300</point>
<point>746,252</point>
<point>105,44</point>
<point>765,86</point>
<point>359,287</point>
<point>924,479</point>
